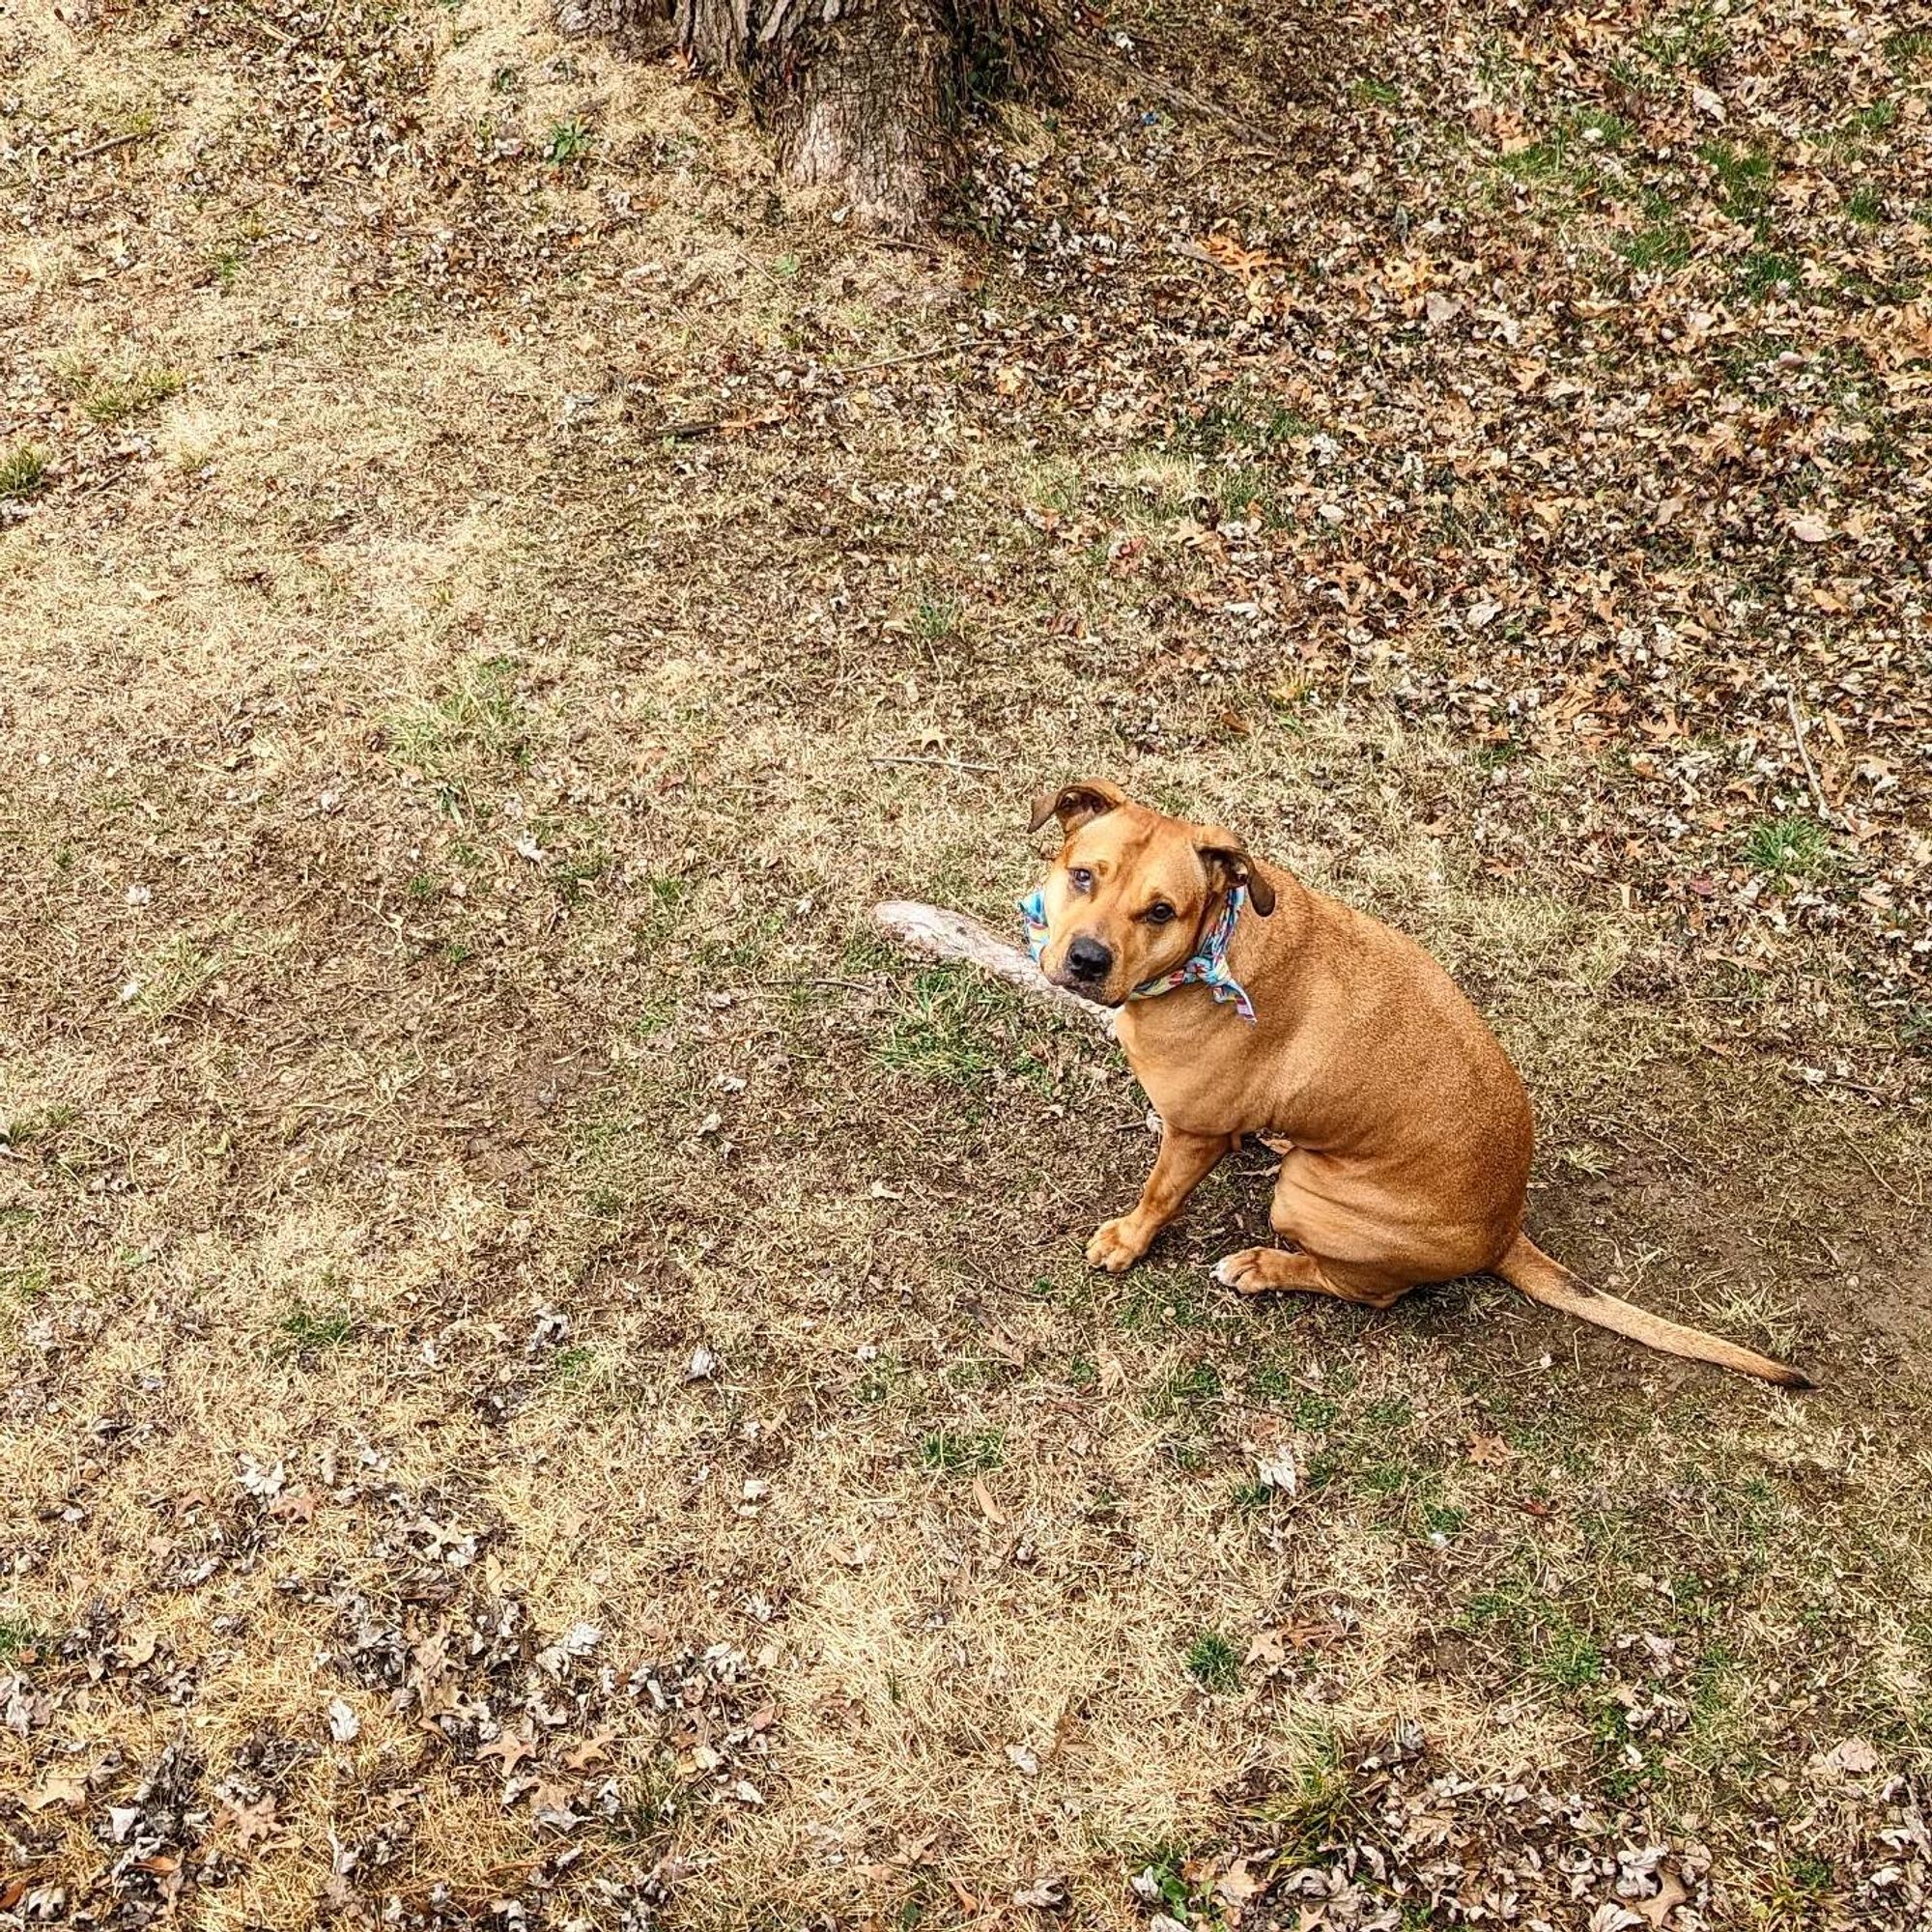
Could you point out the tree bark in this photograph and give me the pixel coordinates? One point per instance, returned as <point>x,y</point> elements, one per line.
<point>863,96</point>
<point>865,116</point>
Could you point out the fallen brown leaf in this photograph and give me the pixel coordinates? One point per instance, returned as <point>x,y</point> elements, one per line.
<point>594,1751</point>
<point>1236,1887</point>
<point>1272,1646</point>
<point>550,1794</point>
<point>58,1790</point>
<point>1045,1895</point>
<point>250,1822</point>
<point>510,1748</point>
<point>1669,1896</point>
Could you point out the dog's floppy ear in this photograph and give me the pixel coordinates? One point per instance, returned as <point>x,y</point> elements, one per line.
<point>1220,849</point>
<point>1073,805</point>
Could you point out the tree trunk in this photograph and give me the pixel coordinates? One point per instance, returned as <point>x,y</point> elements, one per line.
<point>863,96</point>
<point>867,115</point>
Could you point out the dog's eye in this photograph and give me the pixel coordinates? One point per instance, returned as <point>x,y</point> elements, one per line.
<point>1160,913</point>
<point>1080,878</point>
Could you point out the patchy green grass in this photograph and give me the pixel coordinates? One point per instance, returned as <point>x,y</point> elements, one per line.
<point>1764,272</point>
<point>1794,846</point>
<point>1247,424</point>
<point>478,728</point>
<point>666,1300</point>
<point>1745,181</point>
<point>937,616</point>
<point>1663,242</point>
<point>1311,1808</point>
<point>1187,1388</point>
<point>115,399</point>
<point>311,1330</point>
<point>954,1027</point>
<point>23,469</point>
<point>172,977</point>
<point>20,1636</point>
<point>1540,1635</point>
<point>949,1452</point>
<point>1908,49</point>
<point>1214,1664</point>
<point>1669,43</point>
<point>568,142</point>
<point>23,1283</point>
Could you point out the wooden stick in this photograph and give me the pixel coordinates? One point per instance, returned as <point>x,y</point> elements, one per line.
<point>917,356</point>
<point>267,26</point>
<point>709,425</point>
<point>1871,1166</point>
<point>941,934</point>
<point>1826,812</point>
<point>117,141</point>
<point>1177,96</point>
<point>938,764</point>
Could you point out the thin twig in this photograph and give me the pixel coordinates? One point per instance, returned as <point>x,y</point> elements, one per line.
<point>683,430</point>
<point>1826,812</point>
<point>267,26</point>
<point>708,425</point>
<point>1176,95</point>
<point>1850,1087</point>
<point>916,355</point>
<point>116,141</point>
<point>1671,1147</point>
<point>1871,1167</point>
<point>939,764</point>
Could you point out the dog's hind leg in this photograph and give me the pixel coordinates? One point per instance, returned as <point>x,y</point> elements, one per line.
<point>1344,1252</point>
<point>1259,1270</point>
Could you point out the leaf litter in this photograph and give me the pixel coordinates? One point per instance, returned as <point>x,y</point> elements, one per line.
<point>1553,397</point>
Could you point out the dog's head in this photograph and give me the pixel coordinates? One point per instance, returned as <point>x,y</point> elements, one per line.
<point>1132,892</point>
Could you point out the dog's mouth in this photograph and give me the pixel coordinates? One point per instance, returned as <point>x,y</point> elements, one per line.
<point>1095,990</point>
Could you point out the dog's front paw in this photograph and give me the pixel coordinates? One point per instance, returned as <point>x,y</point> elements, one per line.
<point>1116,1245</point>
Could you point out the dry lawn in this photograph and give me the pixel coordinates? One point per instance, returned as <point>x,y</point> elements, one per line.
<point>548,1377</point>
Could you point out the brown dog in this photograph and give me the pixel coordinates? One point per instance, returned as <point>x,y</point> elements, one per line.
<point>1285,1013</point>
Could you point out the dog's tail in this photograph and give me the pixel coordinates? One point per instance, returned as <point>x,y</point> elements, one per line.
<point>1526,1267</point>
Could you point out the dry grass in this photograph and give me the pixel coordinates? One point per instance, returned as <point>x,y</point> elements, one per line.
<point>440,821</point>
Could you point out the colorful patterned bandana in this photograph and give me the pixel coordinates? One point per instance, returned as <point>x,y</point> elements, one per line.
<point>1208,967</point>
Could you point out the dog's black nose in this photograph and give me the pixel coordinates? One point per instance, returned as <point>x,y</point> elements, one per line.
<point>1088,959</point>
